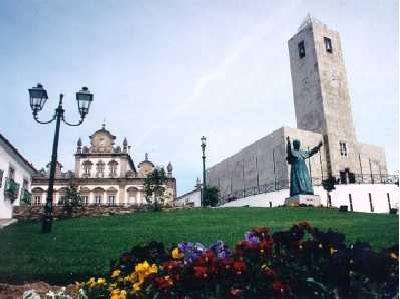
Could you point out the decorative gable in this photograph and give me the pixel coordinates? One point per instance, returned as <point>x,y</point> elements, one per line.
<point>102,141</point>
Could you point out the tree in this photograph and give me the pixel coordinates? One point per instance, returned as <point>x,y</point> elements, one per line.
<point>211,196</point>
<point>72,199</point>
<point>154,188</point>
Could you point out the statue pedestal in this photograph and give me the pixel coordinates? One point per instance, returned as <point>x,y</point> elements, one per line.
<point>303,199</point>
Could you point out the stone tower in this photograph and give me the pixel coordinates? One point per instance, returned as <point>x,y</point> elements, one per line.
<point>321,94</point>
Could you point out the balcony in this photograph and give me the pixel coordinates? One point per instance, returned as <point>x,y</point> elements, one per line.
<point>26,197</point>
<point>11,189</point>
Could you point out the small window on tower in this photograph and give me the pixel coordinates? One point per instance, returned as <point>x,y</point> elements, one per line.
<point>343,149</point>
<point>302,51</point>
<point>328,44</point>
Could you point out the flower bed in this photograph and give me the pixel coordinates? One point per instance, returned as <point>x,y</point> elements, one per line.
<point>302,262</point>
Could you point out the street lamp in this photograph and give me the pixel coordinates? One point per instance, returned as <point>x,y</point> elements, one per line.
<point>38,97</point>
<point>203,146</point>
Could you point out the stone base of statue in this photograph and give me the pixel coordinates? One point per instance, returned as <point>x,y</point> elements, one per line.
<point>303,199</point>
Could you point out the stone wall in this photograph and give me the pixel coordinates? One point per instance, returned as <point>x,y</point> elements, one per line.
<point>35,212</point>
<point>263,162</point>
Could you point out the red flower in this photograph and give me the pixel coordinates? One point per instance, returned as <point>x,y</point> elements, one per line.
<point>209,256</point>
<point>171,265</point>
<point>236,292</point>
<point>279,288</point>
<point>163,282</point>
<point>244,248</point>
<point>265,245</point>
<point>200,272</point>
<point>239,267</point>
<point>226,264</point>
<point>268,272</point>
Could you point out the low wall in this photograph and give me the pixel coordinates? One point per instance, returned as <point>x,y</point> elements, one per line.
<point>36,212</point>
<point>360,194</point>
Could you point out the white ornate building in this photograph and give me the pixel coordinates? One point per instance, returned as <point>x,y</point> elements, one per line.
<point>15,178</point>
<point>192,198</point>
<point>105,174</point>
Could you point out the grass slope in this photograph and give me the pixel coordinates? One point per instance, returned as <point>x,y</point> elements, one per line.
<point>84,246</point>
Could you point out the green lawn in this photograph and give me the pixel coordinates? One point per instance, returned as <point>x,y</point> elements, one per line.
<point>80,247</point>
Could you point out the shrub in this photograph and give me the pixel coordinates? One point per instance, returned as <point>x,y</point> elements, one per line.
<point>302,262</point>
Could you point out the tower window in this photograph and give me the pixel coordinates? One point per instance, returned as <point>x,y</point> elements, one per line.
<point>343,149</point>
<point>328,44</point>
<point>302,51</point>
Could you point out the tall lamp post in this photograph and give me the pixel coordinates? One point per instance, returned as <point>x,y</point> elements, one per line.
<point>38,97</point>
<point>203,146</point>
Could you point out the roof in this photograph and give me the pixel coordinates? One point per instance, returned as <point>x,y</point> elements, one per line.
<point>308,21</point>
<point>103,130</point>
<point>146,161</point>
<point>131,164</point>
<point>16,152</point>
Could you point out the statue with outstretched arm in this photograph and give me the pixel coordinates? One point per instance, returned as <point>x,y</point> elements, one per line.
<point>300,180</point>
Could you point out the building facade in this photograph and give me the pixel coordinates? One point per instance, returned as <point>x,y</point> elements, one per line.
<point>323,113</point>
<point>192,198</point>
<point>15,178</point>
<point>105,174</point>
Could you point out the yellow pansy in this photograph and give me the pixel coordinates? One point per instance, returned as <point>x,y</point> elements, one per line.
<point>176,254</point>
<point>92,282</point>
<point>101,280</point>
<point>142,266</point>
<point>116,273</point>
<point>112,286</point>
<point>78,285</point>
<point>122,295</point>
<point>144,269</point>
<point>115,294</point>
<point>136,287</point>
<point>153,269</point>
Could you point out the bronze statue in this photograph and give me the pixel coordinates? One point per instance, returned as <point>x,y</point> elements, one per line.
<point>300,181</point>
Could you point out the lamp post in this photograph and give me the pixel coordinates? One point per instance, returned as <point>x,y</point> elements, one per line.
<point>38,97</point>
<point>203,146</point>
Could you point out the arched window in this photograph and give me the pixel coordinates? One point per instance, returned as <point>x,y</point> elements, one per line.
<point>112,196</point>
<point>37,196</point>
<point>87,167</point>
<point>132,195</point>
<point>98,195</point>
<point>100,168</point>
<point>113,168</point>
<point>84,193</point>
<point>61,196</point>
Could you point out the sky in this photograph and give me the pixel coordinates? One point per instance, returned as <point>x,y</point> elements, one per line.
<point>165,73</point>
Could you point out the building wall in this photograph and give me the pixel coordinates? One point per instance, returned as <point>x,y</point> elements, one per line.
<point>263,162</point>
<point>126,194</point>
<point>22,171</point>
<point>119,158</point>
<point>193,197</point>
<point>373,159</point>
